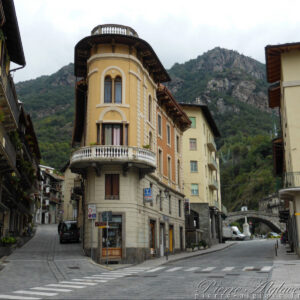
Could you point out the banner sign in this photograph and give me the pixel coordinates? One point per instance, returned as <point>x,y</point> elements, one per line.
<point>147,195</point>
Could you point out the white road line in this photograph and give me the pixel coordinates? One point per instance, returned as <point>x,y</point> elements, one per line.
<point>115,274</point>
<point>248,268</point>
<point>208,269</point>
<point>266,269</point>
<point>18,297</point>
<point>100,277</point>
<point>50,289</point>
<point>79,283</point>
<point>66,285</point>
<point>192,269</point>
<point>35,293</point>
<point>156,269</point>
<point>174,269</point>
<point>228,269</point>
<point>90,280</point>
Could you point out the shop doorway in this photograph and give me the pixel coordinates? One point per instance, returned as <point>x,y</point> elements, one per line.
<point>152,237</point>
<point>112,239</point>
<point>161,239</point>
<point>171,231</point>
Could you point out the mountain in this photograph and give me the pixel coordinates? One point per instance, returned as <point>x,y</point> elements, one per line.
<point>232,85</point>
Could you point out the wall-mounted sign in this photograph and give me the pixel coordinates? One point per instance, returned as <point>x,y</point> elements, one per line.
<point>147,195</point>
<point>92,211</point>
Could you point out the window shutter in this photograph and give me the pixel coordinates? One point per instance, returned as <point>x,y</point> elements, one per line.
<point>115,186</point>
<point>108,186</point>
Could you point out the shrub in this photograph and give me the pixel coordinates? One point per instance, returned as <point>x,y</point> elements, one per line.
<point>8,240</point>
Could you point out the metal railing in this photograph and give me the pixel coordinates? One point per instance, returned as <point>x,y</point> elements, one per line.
<point>291,180</point>
<point>10,95</point>
<point>114,29</point>
<point>7,148</point>
<point>117,153</point>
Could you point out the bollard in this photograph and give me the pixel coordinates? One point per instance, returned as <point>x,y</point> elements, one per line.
<point>277,245</point>
<point>275,250</point>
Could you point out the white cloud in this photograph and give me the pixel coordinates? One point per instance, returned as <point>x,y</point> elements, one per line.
<point>177,30</point>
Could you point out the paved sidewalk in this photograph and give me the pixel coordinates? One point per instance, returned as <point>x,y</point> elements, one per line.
<point>155,262</point>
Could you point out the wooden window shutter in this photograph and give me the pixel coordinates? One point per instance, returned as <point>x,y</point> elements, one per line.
<point>115,186</point>
<point>108,186</point>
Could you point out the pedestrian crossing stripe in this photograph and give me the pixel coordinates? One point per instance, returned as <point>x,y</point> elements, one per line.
<point>18,297</point>
<point>174,269</point>
<point>79,283</point>
<point>50,289</point>
<point>35,293</point>
<point>66,285</point>
<point>227,269</point>
<point>156,269</point>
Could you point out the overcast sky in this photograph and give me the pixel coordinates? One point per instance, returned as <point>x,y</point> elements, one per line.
<point>177,30</point>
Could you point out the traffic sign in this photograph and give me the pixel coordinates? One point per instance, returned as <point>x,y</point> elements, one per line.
<point>92,211</point>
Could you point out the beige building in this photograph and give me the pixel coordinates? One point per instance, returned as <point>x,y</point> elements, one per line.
<point>202,173</point>
<point>129,130</point>
<point>283,65</point>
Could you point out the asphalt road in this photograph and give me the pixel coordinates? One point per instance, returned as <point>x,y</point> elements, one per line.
<point>45,269</point>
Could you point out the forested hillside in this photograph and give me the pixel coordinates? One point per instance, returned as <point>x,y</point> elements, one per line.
<point>232,85</point>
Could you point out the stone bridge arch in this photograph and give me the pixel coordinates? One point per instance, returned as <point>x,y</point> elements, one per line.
<point>269,219</point>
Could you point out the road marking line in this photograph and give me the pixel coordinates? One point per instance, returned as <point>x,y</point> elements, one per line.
<point>156,269</point>
<point>174,269</point>
<point>228,269</point>
<point>80,283</point>
<point>266,269</point>
<point>101,277</point>
<point>192,269</point>
<point>50,289</point>
<point>115,274</point>
<point>66,285</point>
<point>90,280</point>
<point>18,297</point>
<point>248,268</point>
<point>208,269</point>
<point>35,293</point>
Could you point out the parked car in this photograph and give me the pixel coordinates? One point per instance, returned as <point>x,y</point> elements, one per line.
<point>273,235</point>
<point>69,232</point>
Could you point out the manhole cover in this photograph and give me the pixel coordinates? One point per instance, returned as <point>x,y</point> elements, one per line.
<point>74,268</point>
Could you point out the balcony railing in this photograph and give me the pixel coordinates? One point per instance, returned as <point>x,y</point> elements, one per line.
<point>212,145</point>
<point>114,29</point>
<point>8,98</point>
<point>111,154</point>
<point>213,184</point>
<point>7,152</point>
<point>212,163</point>
<point>292,180</point>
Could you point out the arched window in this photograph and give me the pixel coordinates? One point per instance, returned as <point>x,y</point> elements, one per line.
<point>107,90</point>
<point>118,89</point>
<point>150,109</point>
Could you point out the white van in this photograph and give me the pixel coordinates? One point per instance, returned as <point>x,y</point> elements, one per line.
<point>232,233</point>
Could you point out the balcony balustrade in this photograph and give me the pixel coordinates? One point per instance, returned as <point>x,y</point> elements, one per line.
<point>213,184</point>
<point>292,180</point>
<point>212,164</point>
<point>140,157</point>
<point>212,145</point>
<point>114,29</point>
<point>7,153</point>
<point>8,102</point>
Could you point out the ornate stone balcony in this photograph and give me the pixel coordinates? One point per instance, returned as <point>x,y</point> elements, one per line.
<point>139,157</point>
<point>114,29</point>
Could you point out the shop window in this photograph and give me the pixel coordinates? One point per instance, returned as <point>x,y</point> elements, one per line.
<point>112,186</point>
<point>114,237</point>
<point>152,235</point>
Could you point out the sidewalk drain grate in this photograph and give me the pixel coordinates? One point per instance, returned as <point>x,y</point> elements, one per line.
<point>74,268</point>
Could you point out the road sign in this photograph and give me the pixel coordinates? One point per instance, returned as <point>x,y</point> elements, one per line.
<point>92,211</point>
<point>107,216</point>
<point>147,195</point>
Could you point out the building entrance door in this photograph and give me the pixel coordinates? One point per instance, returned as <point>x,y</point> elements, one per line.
<point>171,238</point>
<point>161,240</point>
<point>112,243</point>
<point>152,237</point>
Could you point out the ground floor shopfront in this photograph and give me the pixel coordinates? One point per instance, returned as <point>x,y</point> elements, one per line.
<point>138,230</point>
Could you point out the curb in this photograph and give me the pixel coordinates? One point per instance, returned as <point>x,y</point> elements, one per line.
<point>198,254</point>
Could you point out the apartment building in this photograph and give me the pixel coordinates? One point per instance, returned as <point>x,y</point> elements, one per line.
<point>202,175</point>
<point>129,130</point>
<point>283,65</point>
<point>19,151</point>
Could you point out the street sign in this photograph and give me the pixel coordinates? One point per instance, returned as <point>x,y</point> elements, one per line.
<point>92,211</point>
<point>147,194</point>
<point>107,216</point>
<point>97,224</point>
